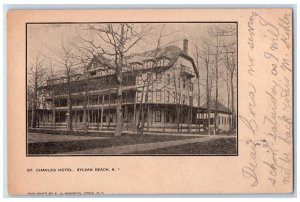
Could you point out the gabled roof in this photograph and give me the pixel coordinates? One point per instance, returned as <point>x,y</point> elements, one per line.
<point>212,104</point>
<point>172,53</point>
<point>102,60</point>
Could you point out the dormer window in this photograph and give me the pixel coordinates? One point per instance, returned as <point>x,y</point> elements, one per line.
<point>93,73</point>
<point>148,64</point>
<point>158,77</point>
<point>134,66</point>
<point>139,80</point>
<point>161,63</point>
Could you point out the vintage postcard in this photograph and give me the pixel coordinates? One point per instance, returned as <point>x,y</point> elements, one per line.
<point>150,101</point>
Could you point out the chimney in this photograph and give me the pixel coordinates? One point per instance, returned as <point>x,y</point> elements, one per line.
<point>185,46</point>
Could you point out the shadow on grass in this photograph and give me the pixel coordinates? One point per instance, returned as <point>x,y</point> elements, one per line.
<point>80,145</point>
<point>224,146</point>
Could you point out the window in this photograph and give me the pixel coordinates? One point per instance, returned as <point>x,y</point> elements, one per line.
<point>168,79</point>
<point>179,82</point>
<point>191,86</point>
<point>183,83</point>
<point>191,101</point>
<point>174,97</point>
<point>49,117</point>
<point>167,116</point>
<point>157,116</point>
<point>149,96</point>
<point>134,65</point>
<point>93,73</point>
<point>158,95</point>
<point>168,96</point>
<point>148,64</point>
<point>146,116</point>
<point>139,96</point>
<point>158,77</point>
<point>149,77</point>
<point>183,99</point>
<point>161,63</point>
<point>139,80</point>
<point>173,118</point>
<point>179,97</point>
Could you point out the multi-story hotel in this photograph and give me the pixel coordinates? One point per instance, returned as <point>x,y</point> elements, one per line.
<point>160,83</point>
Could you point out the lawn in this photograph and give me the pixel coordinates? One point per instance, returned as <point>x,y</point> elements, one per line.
<point>56,147</point>
<point>224,146</point>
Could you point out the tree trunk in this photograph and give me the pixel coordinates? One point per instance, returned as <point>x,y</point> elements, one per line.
<point>144,107</point>
<point>134,112</point>
<point>232,105</point>
<point>216,117</point>
<point>69,104</point>
<point>199,102</point>
<point>208,100</point>
<point>140,112</point>
<point>35,97</point>
<point>70,125</point>
<point>101,116</point>
<point>85,117</point>
<point>53,110</point>
<point>119,121</point>
<point>33,116</point>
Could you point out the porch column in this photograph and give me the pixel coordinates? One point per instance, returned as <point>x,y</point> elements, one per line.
<point>101,117</point>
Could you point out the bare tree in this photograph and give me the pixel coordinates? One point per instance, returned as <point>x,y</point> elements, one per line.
<point>206,56</point>
<point>223,36</point>
<point>66,58</point>
<point>197,55</point>
<point>217,35</point>
<point>119,39</point>
<point>36,79</point>
<point>148,82</point>
<point>230,64</point>
<point>53,90</point>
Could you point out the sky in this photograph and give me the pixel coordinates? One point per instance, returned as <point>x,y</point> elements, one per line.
<point>44,41</point>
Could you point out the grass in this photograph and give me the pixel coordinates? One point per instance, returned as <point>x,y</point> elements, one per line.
<point>224,146</point>
<point>79,145</point>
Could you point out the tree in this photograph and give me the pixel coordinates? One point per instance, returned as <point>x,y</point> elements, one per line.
<point>36,79</point>
<point>118,40</point>
<point>230,64</point>
<point>206,56</point>
<point>149,81</point>
<point>53,89</point>
<point>229,46</point>
<point>223,36</point>
<point>66,58</point>
<point>217,35</point>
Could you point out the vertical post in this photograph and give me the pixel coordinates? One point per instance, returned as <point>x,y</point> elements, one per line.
<point>75,118</point>
<point>109,99</point>
<point>92,117</point>
<point>148,117</point>
<point>134,111</point>
<point>164,118</point>
<point>101,118</point>
<point>98,104</point>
